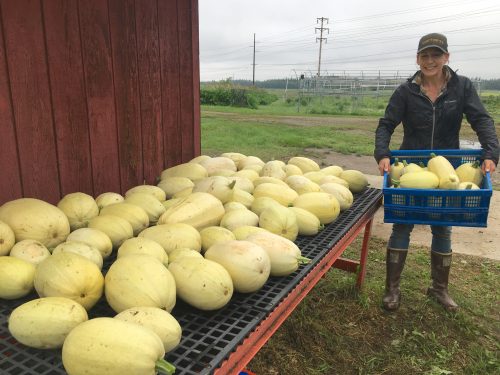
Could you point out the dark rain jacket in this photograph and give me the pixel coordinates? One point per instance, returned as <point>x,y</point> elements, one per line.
<point>429,126</point>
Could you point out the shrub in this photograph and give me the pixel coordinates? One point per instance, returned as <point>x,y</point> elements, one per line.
<point>226,94</point>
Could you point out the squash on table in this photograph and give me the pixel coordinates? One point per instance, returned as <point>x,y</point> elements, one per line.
<point>236,157</point>
<point>79,208</point>
<point>261,203</point>
<point>145,246</point>
<point>105,199</point>
<point>200,210</point>
<point>301,184</point>
<point>116,228</point>
<point>193,171</point>
<point>218,163</point>
<point>135,215</point>
<point>343,194</point>
<point>30,250</point>
<point>199,158</point>
<point>158,320</point>
<point>155,191</point>
<point>139,280</point>
<point>249,174</point>
<point>93,237</point>
<point>244,231</point>
<point>305,164</point>
<point>284,255</point>
<point>247,263</point>
<point>315,176</point>
<point>212,235</point>
<point>113,347</point>
<point>72,276</point>
<point>281,221</point>
<point>16,277</point>
<point>7,238</point>
<point>274,169</point>
<point>356,179</point>
<point>148,203</point>
<point>332,170</point>
<point>281,194</point>
<point>237,218</point>
<point>329,178</point>
<point>219,186</point>
<point>81,248</point>
<point>202,283</point>
<point>308,223</point>
<point>174,236</point>
<point>173,185</point>
<point>44,323</point>
<point>250,161</point>
<point>183,252</point>
<point>242,196</point>
<point>323,205</point>
<point>243,183</point>
<point>292,170</point>
<point>270,180</point>
<point>34,219</point>
<point>230,206</point>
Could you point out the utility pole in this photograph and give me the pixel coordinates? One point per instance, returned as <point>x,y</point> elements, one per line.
<point>253,76</point>
<point>320,39</point>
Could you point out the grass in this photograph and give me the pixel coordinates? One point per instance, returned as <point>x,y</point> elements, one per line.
<point>279,141</point>
<point>338,330</point>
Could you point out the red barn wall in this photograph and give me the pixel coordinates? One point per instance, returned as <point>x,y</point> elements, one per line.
<point>95,95</point>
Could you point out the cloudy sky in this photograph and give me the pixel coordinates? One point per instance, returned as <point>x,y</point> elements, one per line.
<point>362,35</point>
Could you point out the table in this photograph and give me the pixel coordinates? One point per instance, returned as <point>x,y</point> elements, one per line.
<point>224,341</point>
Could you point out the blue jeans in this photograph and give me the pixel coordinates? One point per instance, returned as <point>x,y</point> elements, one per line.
<point>400,238</point>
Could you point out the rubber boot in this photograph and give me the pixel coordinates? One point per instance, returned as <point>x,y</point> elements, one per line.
<point>440,271</point>
<point>395,262</point>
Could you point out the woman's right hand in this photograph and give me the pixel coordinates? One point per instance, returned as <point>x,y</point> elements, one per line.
<point>384,165</point>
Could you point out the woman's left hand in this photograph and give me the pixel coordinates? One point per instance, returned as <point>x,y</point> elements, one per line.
<point>488,166</point>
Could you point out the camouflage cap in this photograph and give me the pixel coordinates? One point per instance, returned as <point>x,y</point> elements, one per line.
<point>433,40</point>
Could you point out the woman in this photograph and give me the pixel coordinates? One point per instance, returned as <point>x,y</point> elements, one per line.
<point>431,105</point>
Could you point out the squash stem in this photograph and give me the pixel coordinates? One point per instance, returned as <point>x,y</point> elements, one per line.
<point>303,260</point>
<point>164,367</point>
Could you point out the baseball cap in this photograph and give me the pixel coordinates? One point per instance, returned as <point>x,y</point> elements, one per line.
<point>435,40</point>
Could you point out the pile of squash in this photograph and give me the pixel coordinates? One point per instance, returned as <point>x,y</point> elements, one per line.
<point>210,227</point>
<point>438,174</point>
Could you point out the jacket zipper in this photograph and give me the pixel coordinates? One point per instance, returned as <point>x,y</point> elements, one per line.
<point>433,125</point>
<point>433,119</point>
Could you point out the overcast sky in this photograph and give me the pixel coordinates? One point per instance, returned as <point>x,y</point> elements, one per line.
<point>368,36</point>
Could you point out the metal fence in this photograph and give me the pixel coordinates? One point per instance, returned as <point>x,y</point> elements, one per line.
<point>355,84</point>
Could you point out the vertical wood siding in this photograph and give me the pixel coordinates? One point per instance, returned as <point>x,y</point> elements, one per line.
<point>95,95</point>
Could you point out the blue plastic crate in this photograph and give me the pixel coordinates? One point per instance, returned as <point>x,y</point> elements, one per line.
<point>464,208</point>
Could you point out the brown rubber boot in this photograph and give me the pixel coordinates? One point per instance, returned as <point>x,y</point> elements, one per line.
<point>395,262</point>
<point>440,271</point>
